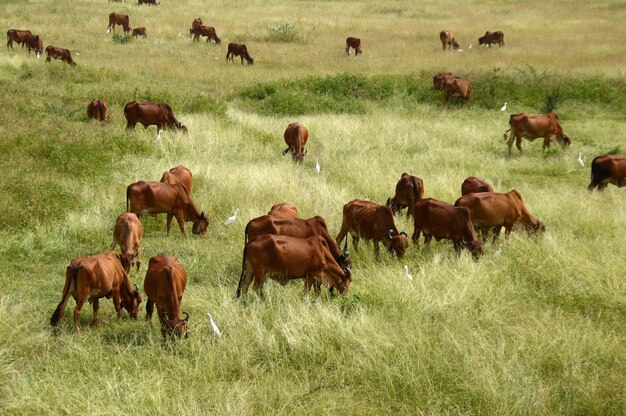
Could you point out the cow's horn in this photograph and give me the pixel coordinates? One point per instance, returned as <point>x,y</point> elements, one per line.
<point>390,233</point>
<point>186,317</point>
<point>403,233</point>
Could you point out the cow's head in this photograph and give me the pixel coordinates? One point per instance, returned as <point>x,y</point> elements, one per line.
<point>200,225</point>
<point>131,302</point>
<point>393,204</point>
<point>482,40</point>
<point>476,248</point>
<point>565,141</point>
<point>344,259</point>
<point>537,227</point>
<point>184,129</point>
<point>346,279</point>
<point>397,242</point>
<point>176,327</point>
<point>455,45</point>
<point>298,157</point>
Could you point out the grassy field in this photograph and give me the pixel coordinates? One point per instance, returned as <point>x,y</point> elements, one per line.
<point>537,330</point>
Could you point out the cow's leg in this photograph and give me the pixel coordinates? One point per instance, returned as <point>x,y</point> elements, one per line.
<point>149,309</point>
<point>507,229</point>
<point>163,321</point>
<point>169,223</point>
<point>427,238</point>
<point>347,49</point>
<point>241,56</point>
<point>180,217</point>
<point>96,306</point>
<point>546,142</point>
<point>245,280</point>
<point>355,242</point>
<point>310,280</point>
<point>496,232</point>
<point>259,277</point>
<point>117,302</point>
<point>518,143</point>
<point>137,254</point>
<point>113,244</point>
<point>416,236</point>
<point>377,248</point>
<point>342,233</point>
<point>602,186</point>
<point>80,301</point>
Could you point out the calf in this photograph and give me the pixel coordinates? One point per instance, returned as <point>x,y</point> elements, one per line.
<point>409,190</point>
<point>532,126</point>
<point>283,210</point>
<point>447,40</point>
<point>18,36</point>
<point>127,234</point>
<point>207,31</point>
<point>296,136</point>
<point>178,175</point>
<point>34,42</point>
<point>238,49</point>
<point>354,43</point>
<point>492,37</point>
<point>139,31</point>
<point>59,53</point>
<point>607,169</point>
<point>98,109</point>
<point>457,86</point>
<point>473,184</point>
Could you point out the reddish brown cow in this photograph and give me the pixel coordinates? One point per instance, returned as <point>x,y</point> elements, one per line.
<point>283,210</point>
<point>127,233</point>
<point>118,19</point>
<point>607,169</point>
<point>285,258</point>
<point>18,36</point>
<point>164,285</point>
<point>59,53</point>
<point>98,109</point>
<point>443,221</point>
<point>473,184</point>
<point>163,198</point>
<point>409,190</point>
<point>457,86</point>
<point>533,126</point>
<point>207,31</point>
<point>34,42</point>
<point>440,80</point>
<point>151,114</point>
<point>371,221</point>
<point>238,49</point>
<point>496,210</point>
<point>492,37</point>
<point>94,277</point>
<point>178,175</point>
<point>296,136</point>
<point>447,40</point>
<point>139,31</point>
<point>354,43</point>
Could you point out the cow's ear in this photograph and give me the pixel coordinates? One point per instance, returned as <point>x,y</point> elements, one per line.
<point>202,216</point>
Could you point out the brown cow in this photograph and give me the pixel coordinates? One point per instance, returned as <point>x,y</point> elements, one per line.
<point>139,31</point>
<point>18,36</point>
<point>533,126</point>
<point>283,210</point>
<point>443,221</point>
<point>148,114</point>
<point>94,277</point>
<point>285,258</point>
<point>164,285</point>
<point>150,2</point>
<point>178,175</point>
<point>296,136</point>
<point>238,49</point>
<point>118,19</point>
<point>371,221</point>
<point>59,53</point>
<point>440,80</point>
<point>457,86</point>
<point>607,169</point>
<point>492,37</point>
<point>499,209</point>
<point>473,184</point>
<point>34,42</point>
<point>207,31</point>
<point>163,198</point>
<point>409,190</point>
<point>127,233</point>
<point>447,40</point>
<point>354,43</point>
<point>98,109</point>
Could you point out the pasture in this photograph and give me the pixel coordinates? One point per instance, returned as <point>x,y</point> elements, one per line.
<point>538,329</point>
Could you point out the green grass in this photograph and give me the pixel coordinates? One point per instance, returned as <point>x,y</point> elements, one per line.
<point>538,330</point>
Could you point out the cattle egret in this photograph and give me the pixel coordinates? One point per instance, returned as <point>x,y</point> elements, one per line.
<point>216,330</point>
<point>406,273</point>
<point>498,251</point>
<point>108,29</point>
<point>580,160</point>
<point>470,47</point>
<point>317,166</point>
<point>503,107</point>
<point>159,134</point>
<point>232,218</point>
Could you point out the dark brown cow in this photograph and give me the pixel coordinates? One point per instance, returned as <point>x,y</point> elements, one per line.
<point>127,233</point>
<point>118,19</point>
<point>409,190</point>
<point>473,184</point>
<point>285,258</point>
<point>492,37</point>
<point>207,31</point>
<point>533,126</point>
<point>296,136</point>
<point>447,40</point>
<point>354,43</point>
<point>59,53</point>
<point>34,42</point>
<point>91,278</point>
<point>371,221</point>
<point>163,198</point>
<point>499,209</point>
<point>441,220</point>
<point>164,285</point>
<point>440,80</point>
<point>151,114</point>
<point>178,175</point>
<point>283,210</point>
<point>98,109</point>
<point>607,169</point>
<point>18,36</point>
<point>139,31</point>
<point>150,2</point>
<point>238,49</point>
<point>457,86</point>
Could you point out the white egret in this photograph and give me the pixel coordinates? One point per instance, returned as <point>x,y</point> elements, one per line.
<point>503,107</point>
<point>580,160</point>
<point>317,166</point>
<point>406,273</point>
<point>232,218</point>
<point>216,330</point>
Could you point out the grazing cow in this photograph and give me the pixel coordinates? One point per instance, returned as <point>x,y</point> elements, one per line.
<point>473,184</point>
<point>90,278</point>
<point>491,37</point>
<point>164,285</point>
<point>207,31</point>
<point>98,109</point>
<point>354,43</point>
<point>499,209</point>
<point>440,80</point>
<point>148,114</point>
<point>443,221</point>
<point>59,53</point>
<point>18,36</point>
<point>371,221</point>
<point>150,2</point>
<point>283,210</point>
<point>447,40</point>
<point>139,31</point>
<point>409,190</point>
<point>127,234</point>
<point>163,198</point>
<point>238,49</point>
<point>178,175</point>
<point>285,258</point>
<point>607,169</point>
<point>118,19</point>
<point>457,86</point>
<point>533,126</point>
<point>34,42</point>
<point>296,136</point>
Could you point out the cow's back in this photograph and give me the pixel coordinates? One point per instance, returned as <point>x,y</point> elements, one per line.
<point>283,210</point>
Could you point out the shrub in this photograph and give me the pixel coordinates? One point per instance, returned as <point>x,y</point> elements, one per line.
<point>125,38</point>
<point>283,32</point>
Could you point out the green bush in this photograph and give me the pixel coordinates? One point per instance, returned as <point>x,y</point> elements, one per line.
<point>125,38</point>
<point>283,32</point>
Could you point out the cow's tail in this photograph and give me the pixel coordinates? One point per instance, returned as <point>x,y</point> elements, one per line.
<point>506,137</point>
<point>70,281</point>
<point>598,172</point>
<point>243,270</point>
<point>127,198</point>
<point>100,109</point>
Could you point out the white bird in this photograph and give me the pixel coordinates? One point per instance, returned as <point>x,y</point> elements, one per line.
<point>498,251</point>
<point>470,47</point>
<point>580,160</point>
<point>159,134</point>
<point>503,107</point>
<point>317,166</point>
<point>108,29</point>
<point>406,273</point>
<point>216,330</point>
<point>232,218</point>
<point>459,50</point>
